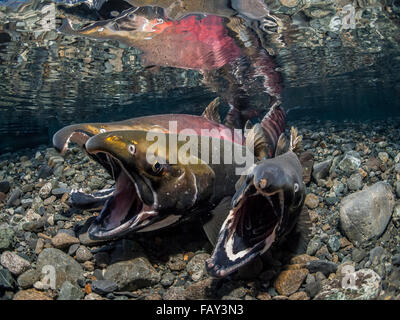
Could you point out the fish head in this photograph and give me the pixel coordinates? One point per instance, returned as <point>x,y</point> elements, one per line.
<point>265,206</point>
<point>130,25</point>
<point>151,191</point>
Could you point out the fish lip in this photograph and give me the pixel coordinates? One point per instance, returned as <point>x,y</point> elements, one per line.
<point>146,215</point>
<point>213,265</point>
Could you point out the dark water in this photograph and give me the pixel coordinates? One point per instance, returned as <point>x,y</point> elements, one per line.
<point>291,53</point>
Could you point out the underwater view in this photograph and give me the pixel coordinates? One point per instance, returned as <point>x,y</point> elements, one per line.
<point>199,150</point>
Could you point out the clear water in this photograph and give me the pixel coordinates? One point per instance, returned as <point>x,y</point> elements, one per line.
<point>50,79</point>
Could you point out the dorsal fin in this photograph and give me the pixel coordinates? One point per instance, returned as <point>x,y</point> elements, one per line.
<point>257,142</point>
<point>273,124</point>
<point>211,112</point>
<point>281,145</point>
<point>295,141</point>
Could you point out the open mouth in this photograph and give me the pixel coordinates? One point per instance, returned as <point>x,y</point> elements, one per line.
<point>249,230</point>
<point>126,210</point>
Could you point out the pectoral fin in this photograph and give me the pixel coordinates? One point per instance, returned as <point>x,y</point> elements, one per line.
<point>211,112</point>
<point>218,215</point>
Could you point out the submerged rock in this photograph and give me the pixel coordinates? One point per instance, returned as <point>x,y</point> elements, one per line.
<point>366,286</point>
<point>65,267</point>
<point>365,214</point>
<point>351,162</point>
<point>69,291</point>
<point>14,262</point>
<point>132,274</point>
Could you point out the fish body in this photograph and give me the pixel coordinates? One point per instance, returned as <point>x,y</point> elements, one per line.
<point>203,41</point>
<point>266,206</point>
<point>170,186</point>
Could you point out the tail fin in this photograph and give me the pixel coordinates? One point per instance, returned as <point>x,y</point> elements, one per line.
<point>274,124</point>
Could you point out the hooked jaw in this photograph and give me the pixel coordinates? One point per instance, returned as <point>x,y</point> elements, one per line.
<point>133,205</point>
<point>250,228</point>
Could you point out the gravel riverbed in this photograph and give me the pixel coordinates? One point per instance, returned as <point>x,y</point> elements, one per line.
<point>353,252</point>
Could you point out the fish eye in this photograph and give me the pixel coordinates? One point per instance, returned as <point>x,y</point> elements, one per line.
<point>132,149</point>
<point>157,167</point>
<point>296,187</point>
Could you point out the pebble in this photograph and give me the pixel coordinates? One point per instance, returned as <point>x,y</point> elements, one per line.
<point>200,290</point>
<point>28,278</point>
<point>289,281</point>
<point>6,238</point>
<point>65,267</point>
<point>14,262</point>
<point>7,281</point>
<point>174,293</point>
<point>5,186</point>
<point>311,201</point>
<point>31,294</point>
<point>132,274</point>
<point>196,267</point>
<point>69,291</point>
<point>326,267</point>
<point>83,254</point>
<point>63,240</point>
<point>365,214</point>
<point>104,287</point>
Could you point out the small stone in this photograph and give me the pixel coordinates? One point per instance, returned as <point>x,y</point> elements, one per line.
<point>358,255</point>
<point>132,274</point>
<point>396,215</point>
<point>14,197</point>
<point>83,254</point>
<point>311,201</point>
<point>199,291</point>
<point>28,278</point>
<point>313,246</point>
<point>167,279</point>
<point>367,286</point>
<point>14,262</point>
<point>299,296</point>
<point>334,243</point>
<point>354,183</point>
<point>174,293</point>
<point>65,267</point>
<point>93,296</point>
<point>196,266</point>
<point>5,186</point>
<point>104,286</point>
<point>326,267</point>
<point>88,266</point>
<point>7,281</point>
<point>176,262</point>
<point>154,296</point>
<point>69,291</point>
<point>321,170</point>
<point>396,260</point>
<point>264,296</point>
<point>31,294</point>
<point>45,191</point>
<point>351,162</point>
<point>6,238</point>
<point>365,214</point>
<point>383,156</point>
<point>44,172</point>
<point>302,259</point>
<point>63,240</point>
<point>289,281</point>
<point>73,248</point>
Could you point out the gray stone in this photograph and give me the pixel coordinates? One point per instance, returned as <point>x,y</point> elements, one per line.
<point>132,274</point>
<point>334,243</point>
<point>167,279</point>
<point>358,255</point>
<point>6,238</point>
<point>83,254</point>
<point>5,186</point>
<point>313,247</point>
<point>14,262</point>
<point>7,281</point>
<point>321,169</point>
<point>34,226</point>
<point>354,183</point>
<point>396,260</point>
<point>45,191</point>
<point>72,249</point>
<point>196,266</point>
<point>69,291</point>
<point>174,293</point>
<point>66,268</point>
<point>351,162</point>
<point>28,278</point>
<point>15,195</point>
<point>367,286</point>
<point>365,214</point>
<point>45,172</point>
<point>104,286</point>
<point>326,267</point>
<point>396,216</point>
